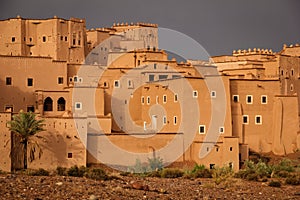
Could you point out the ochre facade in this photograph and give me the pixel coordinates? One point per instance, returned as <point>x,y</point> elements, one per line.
<point>119,80</point>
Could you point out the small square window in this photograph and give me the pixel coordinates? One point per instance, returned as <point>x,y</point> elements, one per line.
<point>30,82</point>
<point>164,120</point>
<point>75,79</point>
<point>165,99</point>
<point>78,106</point>
<point>9,108</point>
<point>151,77</point>
<point>60,80</point>
<point>201,129</point>
<point>264,99</point>
<point>80,80</point>
<point>117,84</point>
<point>195,94</point>
<point>258,119</point>
<point>221,130</point>
<point>13,39</point>
<point>175,97</point>
<point>8,80</point>
<point>44,38</point>
<point>230,148</point>
<point>213,94</point>
<point>235,98</point>
<point>30,108</point>
<point>70,155</point>
<point>105,84</point>
<point>249,99</point>
<point>245,119</point>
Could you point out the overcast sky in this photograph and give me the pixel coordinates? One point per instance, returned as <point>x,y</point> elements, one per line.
<point>219,26</point>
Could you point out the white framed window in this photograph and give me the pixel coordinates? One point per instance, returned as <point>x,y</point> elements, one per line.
<point>164,98</point>
<point>164,120</point>
<point>221,129</point>
<point>175,120</point>
<point>78,106</point>
<point>75,79</point>
<point>235,98</point>
<point>264,99</point>
<point>245,119</point>
<point>70,79</point>
<point>201,129</point>
<point>249,99</point>
<point>292,87</point>
<point>145,125</point>
<point>175,97</point>
<point>195,94</point>
<point>148,100</point>
<point>213,94</point>
<point>142,99</point>
<point>80,80</point>
<point>258,119</point>
<point>117,83</point>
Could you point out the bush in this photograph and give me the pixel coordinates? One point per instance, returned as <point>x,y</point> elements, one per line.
<point>221,174</point>
<point>200,171</point>
<point>77,172</point>
<point>275,184</point>
<point>97,174</point>
<point>293,180</point>
<point>155,163</point>
<point>254,172</point>
<point>171,173</point>
<point>39,172</point>
<point>61,171</point>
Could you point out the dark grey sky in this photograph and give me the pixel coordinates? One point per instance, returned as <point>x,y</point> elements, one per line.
<point>219,26</point>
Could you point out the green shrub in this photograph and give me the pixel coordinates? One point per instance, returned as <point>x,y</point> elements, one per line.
<point>293,180</point>
<point>97,174</point>
<point>155,164</point>
<point>221,174</point>
<point>61,171</point>
<point>39,172</point>
<point>171,173</point>
<point>254,172</point>
<point>275,184</point>
<point>156,173</point>
<point>77,172</point>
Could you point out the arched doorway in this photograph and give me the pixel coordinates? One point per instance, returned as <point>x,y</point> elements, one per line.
<point>48,104</point>
<point>61,104</point>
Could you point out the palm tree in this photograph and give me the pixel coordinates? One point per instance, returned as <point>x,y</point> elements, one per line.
<point>25,125</point>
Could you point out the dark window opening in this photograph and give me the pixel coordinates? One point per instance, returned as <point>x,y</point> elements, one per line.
<point>13,39</point>
<point>154,66</point>
<point>70,155</point>
<point>30,82</point>
<point>211,166</point>
<point>48,104</point>
<point>79,42</point>
<point>245,119</point>
<point>151,77</point>
<point>249,99</point>
<point>139,62</point>
<point>230,148</point>
<point>162,77</point>
<point>8,80</point>
<point>61,37</point>
<point>264,99</point>
<point>74,41</point>
<point>61,104</point>
<point>60,80</point>
<point>66,38</point>
<point>258,120</point>
<point>30,108</point>
<point>44,38</point>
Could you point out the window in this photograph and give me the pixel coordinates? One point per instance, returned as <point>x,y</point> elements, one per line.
<point>9,108</point>
<point>13,39</point>
<point>162,77</point>
<point>292,72</point>
<point>154,65</point>
<point>249,99</point>
<point>291,87</point>
<point>175,97</point>
<point>258,119</point>
<point>30,108</point>
<point>195,94</point>
<point>245,119</point>
<point>175,120</point>
<point>61,37</point>
<point>129,84</point>
<point>75,79</point>
<point>70,79</point>
<point>139,62</point>
<point>78,106</point>
<point>213,94</point>
<point>117,84</point>
<point>30,39</point>
<point>230,148</point>
<point>48,104</point>
<point>30,82</point>
<point>70,155</point>
<point>142,100</point>
<point>61,104</point>
<point>148,100</point>
<point>105,84</point>
<point>74,41</point>
<point>264,99</point>
<point>60,80</point>
<point>235,98</point>
<point>151,77</point>
<point>221,130</point>
<point>201,129</point>
<point>44,38</point>
<point>211,166</point>
<point>165,99</point>
<point>164,120</point>
<point>8,80</point>
<point>80,80</point>
<point>217,149</point>
<point>66,38</point>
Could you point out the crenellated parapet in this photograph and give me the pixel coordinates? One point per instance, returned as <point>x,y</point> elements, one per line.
<point>253,51</point>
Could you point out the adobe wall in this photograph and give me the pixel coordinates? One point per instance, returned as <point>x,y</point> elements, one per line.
<point>5,138</point>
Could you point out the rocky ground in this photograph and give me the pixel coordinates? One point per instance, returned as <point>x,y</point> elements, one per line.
<point>130,187</point>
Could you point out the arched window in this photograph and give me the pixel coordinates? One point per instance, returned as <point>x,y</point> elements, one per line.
<point>48,104</point>
<point>61,104</point>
